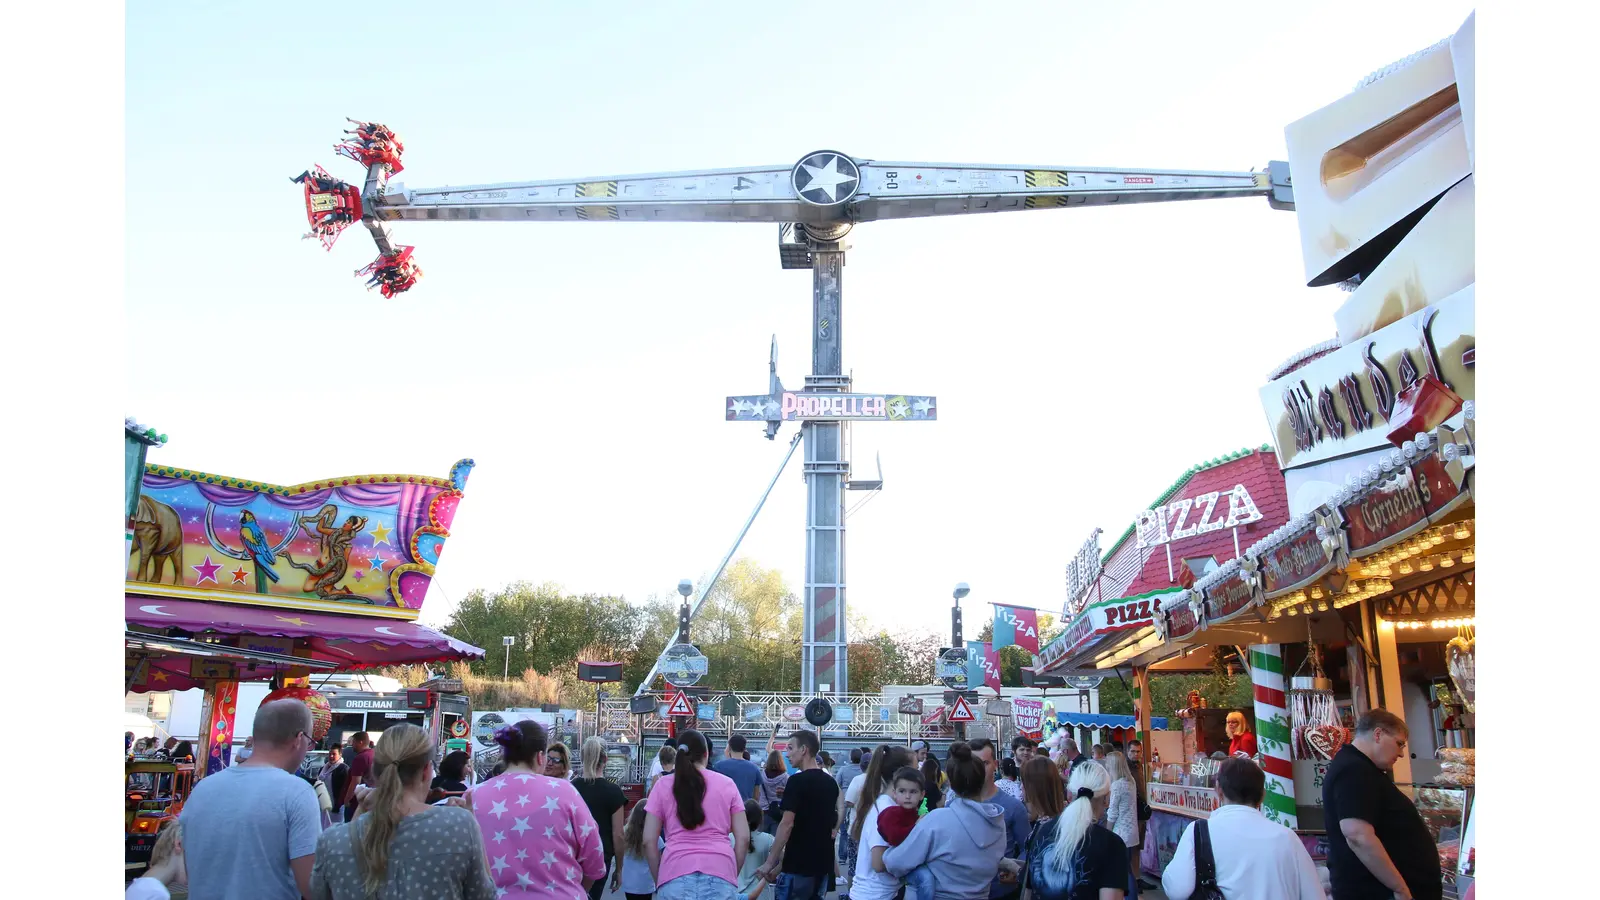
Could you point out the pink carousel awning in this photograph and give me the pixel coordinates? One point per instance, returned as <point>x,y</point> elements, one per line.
<point>354,642</point>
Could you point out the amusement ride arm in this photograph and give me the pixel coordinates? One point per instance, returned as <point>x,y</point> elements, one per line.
<point>883,190</point>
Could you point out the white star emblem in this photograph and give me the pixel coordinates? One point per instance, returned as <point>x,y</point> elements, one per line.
<point>549,859</point>
<point>551,803</point>
<point>568,829</point>
<point>572,874</point>
<point>923,404</point>
<point>898,409</point>
<point>549,832</point>
<point>500,892</point>
<point>522,854</point>
<point>736,407</point>
<point>521,826</point>
<point>499,809</point>
<point>523,880</point>
<point>499,784</point>
<point>826,178</point>
<point>499,837</point>
<point>585,829</point>
<point>523,800</point>
<point>500,865</point>
<point>525,778</point>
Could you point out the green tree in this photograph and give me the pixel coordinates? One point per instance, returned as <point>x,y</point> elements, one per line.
<point>552,629</point>
<point>1221,689</point>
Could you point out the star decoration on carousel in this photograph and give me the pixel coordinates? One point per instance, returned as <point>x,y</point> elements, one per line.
<point>293,620</point>
<point>238,575</point>
<point>825,178</point>
<point>923,405</point>
<point>207,571</point>
<point>380,535</point>
<point>377,561</point>
<point>898,409</point>
<point>736,407</point>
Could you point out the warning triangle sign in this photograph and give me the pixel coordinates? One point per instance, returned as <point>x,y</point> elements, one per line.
<point>680,705</point>
<point>961,712</point>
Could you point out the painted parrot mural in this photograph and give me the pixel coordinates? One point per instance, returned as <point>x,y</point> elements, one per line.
<point>255,544</point>
<point>254,547</point>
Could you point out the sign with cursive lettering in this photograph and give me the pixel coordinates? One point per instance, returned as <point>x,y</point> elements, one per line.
<point>1181,622</point>
<point>1295,563</point>
<point>1228,598</point>
<point>1340,404</point>
<point>1440,484</point>
<point>1388,514</point>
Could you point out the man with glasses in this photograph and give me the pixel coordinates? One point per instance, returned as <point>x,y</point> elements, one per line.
<point>1378,846</point>
<point>251,830</point>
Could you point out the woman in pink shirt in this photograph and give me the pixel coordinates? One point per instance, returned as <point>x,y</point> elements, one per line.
<point>538,833</point>
<point>698,809</point>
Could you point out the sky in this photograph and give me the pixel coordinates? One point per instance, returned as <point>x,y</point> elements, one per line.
<point>1082,358</point>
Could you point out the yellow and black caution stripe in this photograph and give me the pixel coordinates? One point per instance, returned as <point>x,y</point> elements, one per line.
<point>1044,178</point>
<point>597,189</point>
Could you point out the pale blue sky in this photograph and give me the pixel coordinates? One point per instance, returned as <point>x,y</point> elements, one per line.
<point>1082,358</point>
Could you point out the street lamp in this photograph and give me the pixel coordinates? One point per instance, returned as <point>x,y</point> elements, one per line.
<point>961,591</point>
<point>507,641</point>
<point>685,588</point>
<point>955,640</point>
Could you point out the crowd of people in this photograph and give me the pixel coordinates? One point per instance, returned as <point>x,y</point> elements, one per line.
<point>890,823</point>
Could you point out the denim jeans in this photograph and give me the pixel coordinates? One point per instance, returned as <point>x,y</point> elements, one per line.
<point>696,886</point>
<point>919,884</point>
<point>802,887</point>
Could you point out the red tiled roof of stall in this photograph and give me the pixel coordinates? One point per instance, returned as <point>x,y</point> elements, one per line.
<point>1130,571</point>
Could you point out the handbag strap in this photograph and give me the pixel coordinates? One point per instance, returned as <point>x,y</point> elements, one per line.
<point>1205,865</point>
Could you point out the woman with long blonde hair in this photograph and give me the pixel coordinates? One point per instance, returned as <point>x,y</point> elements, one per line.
<point>605,803</point>
<point>1069,856</point>
<point>400,846</point>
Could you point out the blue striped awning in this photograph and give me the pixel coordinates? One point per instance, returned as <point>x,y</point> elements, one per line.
<point>1105,720</point>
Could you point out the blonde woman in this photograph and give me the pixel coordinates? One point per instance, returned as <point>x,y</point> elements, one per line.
<point>400,847</point>
<point>1240,741</point>
<point>1069,856</point>
<point>605,802</point>
<point>1122,815</point>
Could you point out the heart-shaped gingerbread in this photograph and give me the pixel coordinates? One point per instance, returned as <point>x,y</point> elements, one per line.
<point>1325,740</point>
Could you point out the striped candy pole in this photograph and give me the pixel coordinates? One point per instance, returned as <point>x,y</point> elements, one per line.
<point>1272,733</point>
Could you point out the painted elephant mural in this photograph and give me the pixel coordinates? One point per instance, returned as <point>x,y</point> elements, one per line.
<point>157,538</point>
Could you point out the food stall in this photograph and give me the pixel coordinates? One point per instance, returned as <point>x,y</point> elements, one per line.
<point>231,580</point>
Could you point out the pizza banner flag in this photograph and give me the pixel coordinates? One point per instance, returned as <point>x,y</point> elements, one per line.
<point>1016,626</point>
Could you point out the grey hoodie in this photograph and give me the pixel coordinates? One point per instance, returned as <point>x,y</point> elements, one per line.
<point>962,845</point>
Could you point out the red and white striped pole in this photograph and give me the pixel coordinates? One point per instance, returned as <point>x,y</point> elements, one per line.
<point>1272,733</point>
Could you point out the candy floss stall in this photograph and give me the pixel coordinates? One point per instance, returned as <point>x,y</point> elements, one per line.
<point>232,580</point>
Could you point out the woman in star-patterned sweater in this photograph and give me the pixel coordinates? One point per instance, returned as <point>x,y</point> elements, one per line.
<point>538,833</point>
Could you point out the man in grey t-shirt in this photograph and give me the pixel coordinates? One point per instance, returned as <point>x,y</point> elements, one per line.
<point>251,830</point>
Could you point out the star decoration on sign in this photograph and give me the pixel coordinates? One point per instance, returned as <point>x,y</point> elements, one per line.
<point>207,571</point>
<point>238,575</point>
<point>898,409</point>
<point>380,535</point>
<point>825,178</point>
<point>923,404</point>
<point>736,407</point>
<point>158,675</point>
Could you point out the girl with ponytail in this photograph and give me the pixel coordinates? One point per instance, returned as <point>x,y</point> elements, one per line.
<point>400,847</point>
<point>697,809</point>
<point>537,828</point>
<point>1069,856</point>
